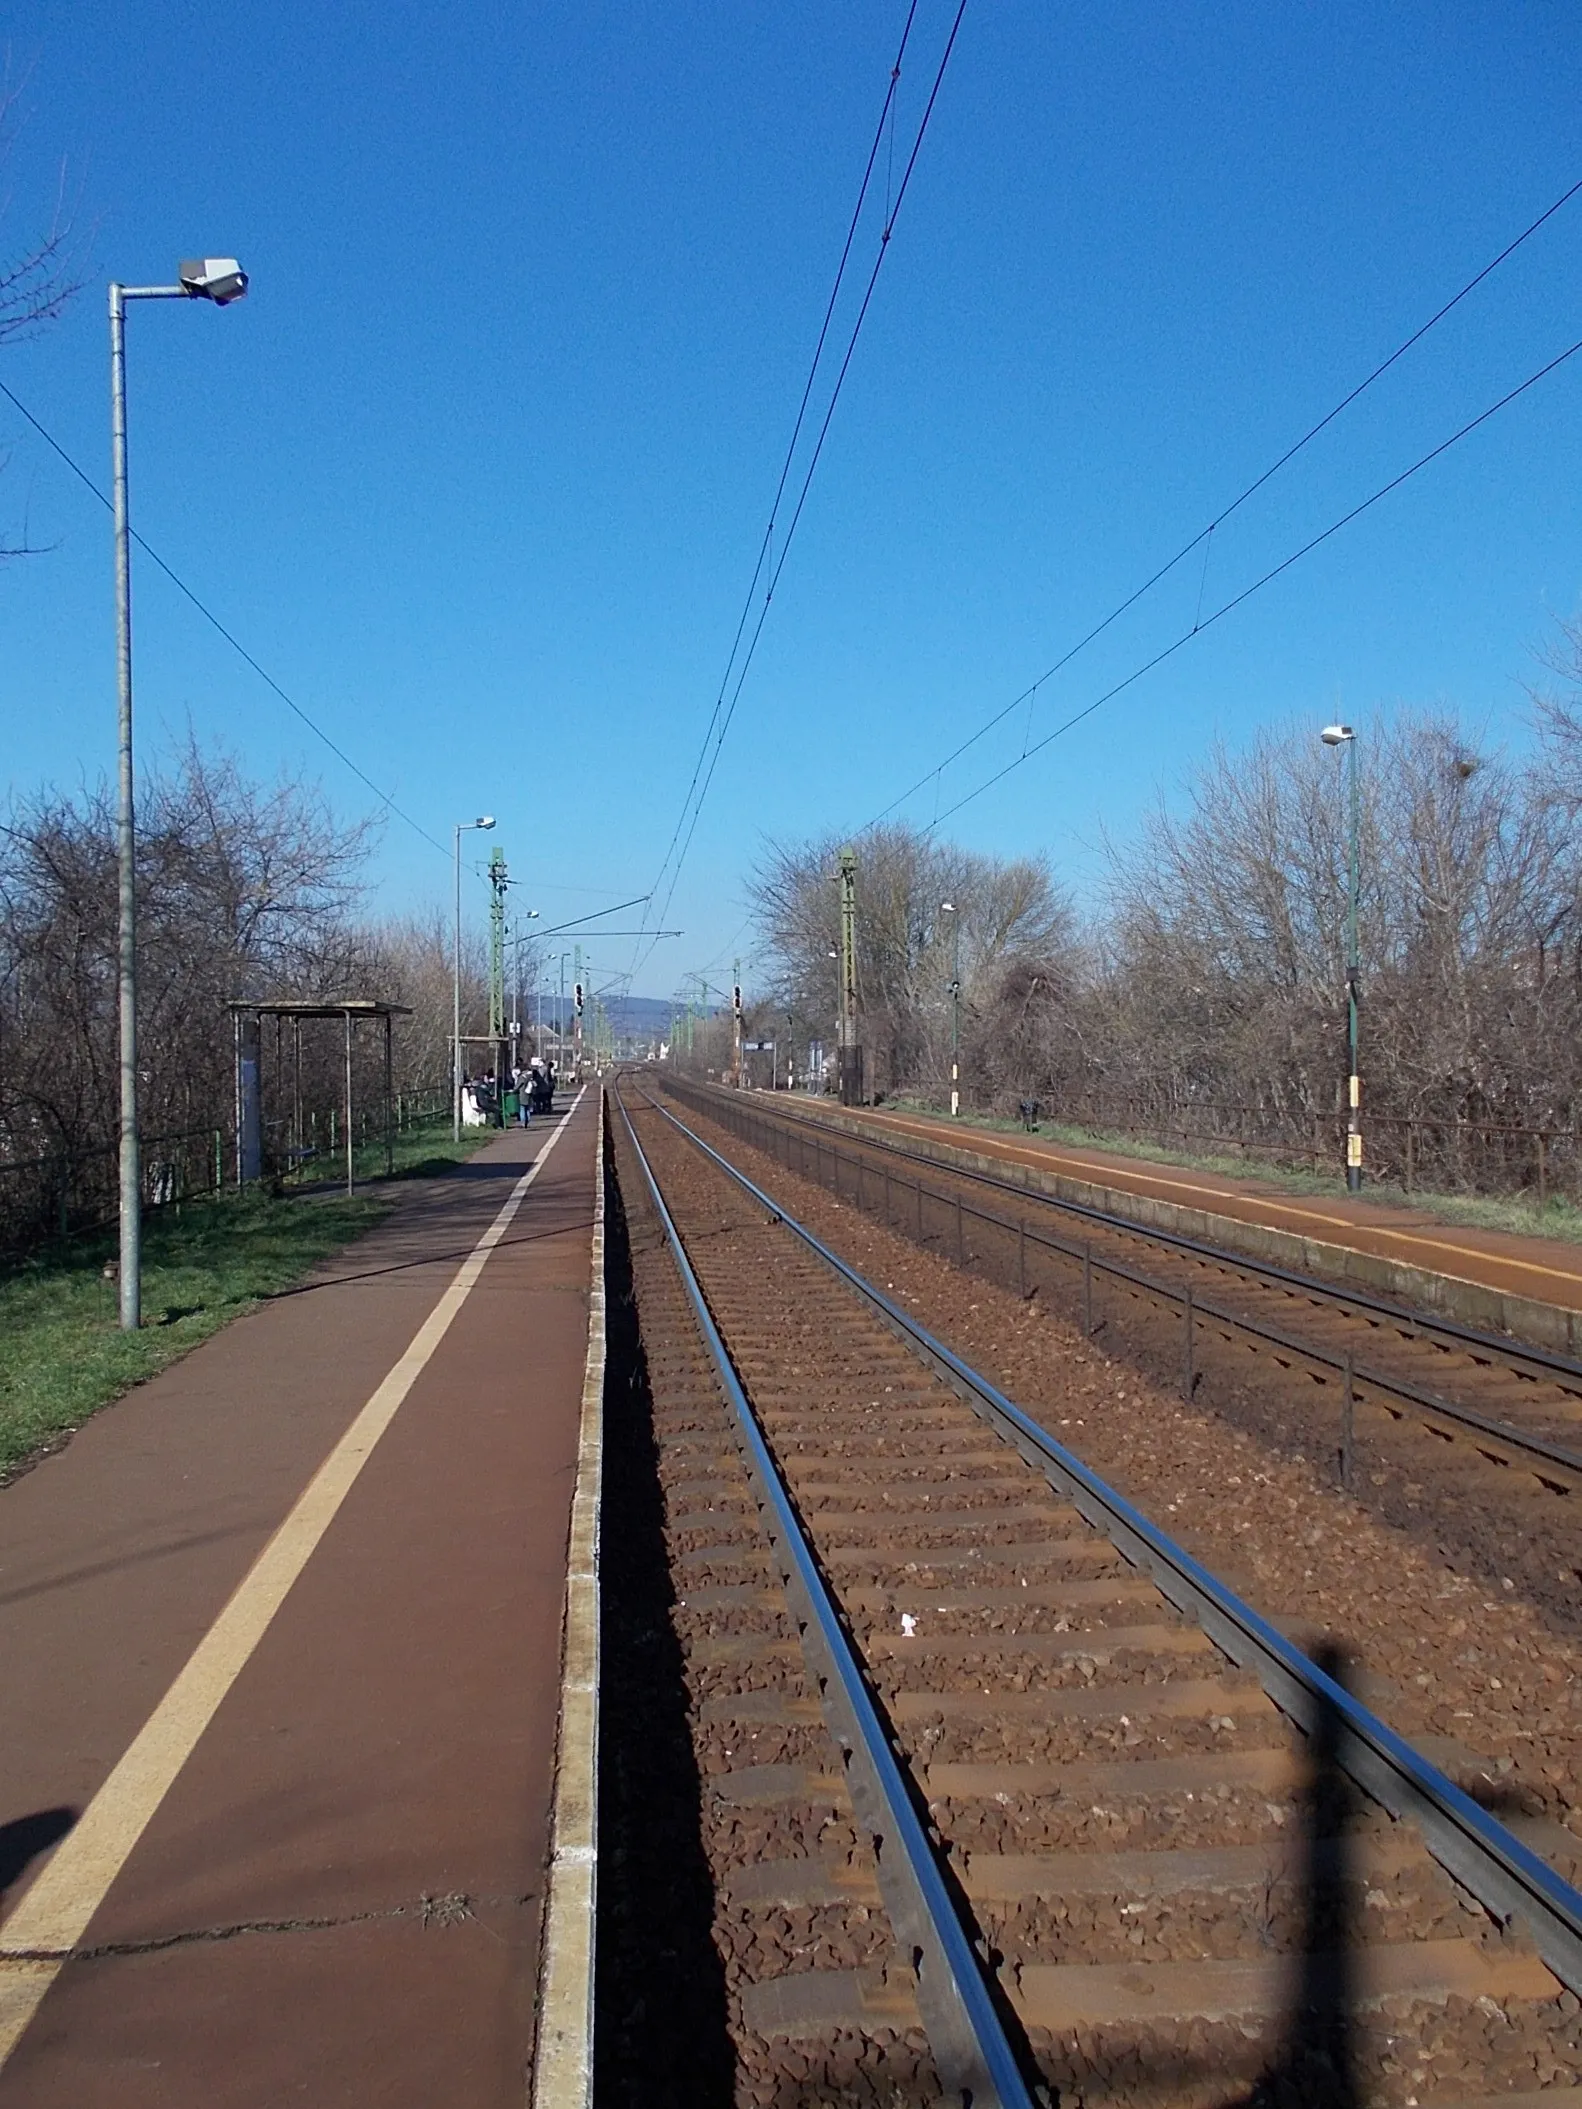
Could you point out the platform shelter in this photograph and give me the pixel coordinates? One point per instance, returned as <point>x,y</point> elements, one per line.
<point>247,1025</point>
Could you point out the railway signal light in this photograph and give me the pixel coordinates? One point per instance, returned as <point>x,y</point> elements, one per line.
<point>576,990</point>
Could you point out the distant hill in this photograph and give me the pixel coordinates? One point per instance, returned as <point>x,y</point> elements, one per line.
<point>642,1017</point>
<point>637,1017</point>
<point>631,1017</point>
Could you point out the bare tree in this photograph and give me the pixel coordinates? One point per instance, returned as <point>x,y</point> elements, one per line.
<point>1208,999</point>
<point>244,890</point>
<point>1222,988</point>
<point>411,961</point>
<point>906,945</point>
<point>38,278</point>
<point>1557,713</point>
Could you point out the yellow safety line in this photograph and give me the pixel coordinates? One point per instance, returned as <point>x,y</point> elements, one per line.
<point>38,1937</point>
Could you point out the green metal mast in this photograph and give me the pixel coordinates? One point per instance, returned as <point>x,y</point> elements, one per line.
<point>497,885</point>
<point>850,1041</point>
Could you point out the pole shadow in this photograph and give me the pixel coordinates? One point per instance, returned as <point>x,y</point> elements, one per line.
<point>1315,2066</point>
<point>25,1837</point>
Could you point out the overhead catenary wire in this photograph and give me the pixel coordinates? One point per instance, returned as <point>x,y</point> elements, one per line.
<point>231,639</point>
<point>1258,584</point>
<point>728,949</point>
<point>1205,534</point>
<point>807,481</point>
<point>775,559</point>
<point>576,923</point>
<point>766,546</point>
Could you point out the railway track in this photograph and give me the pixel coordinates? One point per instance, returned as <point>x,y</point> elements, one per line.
<point>1128,1842</point>
<point>1506,1404</point>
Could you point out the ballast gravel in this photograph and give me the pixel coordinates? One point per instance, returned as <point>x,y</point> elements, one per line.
<point>1403,2051</point>
<point>1436,1652</point>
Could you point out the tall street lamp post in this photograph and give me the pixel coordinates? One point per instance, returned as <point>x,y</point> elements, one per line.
<point>463,827</point>
<point>219,279</point>
<point>520,938</point>
<point>949,908</point>
<point>1344,736</point>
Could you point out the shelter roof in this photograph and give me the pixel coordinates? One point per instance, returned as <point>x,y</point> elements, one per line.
<point>317,1007</point>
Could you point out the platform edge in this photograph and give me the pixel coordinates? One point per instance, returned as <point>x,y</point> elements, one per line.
<point>562,2076</point>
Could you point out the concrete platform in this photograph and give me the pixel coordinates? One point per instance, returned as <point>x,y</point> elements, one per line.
<point>282,1644</point>
<point>1497,1281</point>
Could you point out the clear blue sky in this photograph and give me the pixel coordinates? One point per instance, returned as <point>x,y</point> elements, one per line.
<point>480,468</point>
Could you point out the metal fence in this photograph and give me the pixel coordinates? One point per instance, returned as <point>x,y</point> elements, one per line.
<point>321,1151</point>
<point>1417,1152</point>
<point>71,1193</point>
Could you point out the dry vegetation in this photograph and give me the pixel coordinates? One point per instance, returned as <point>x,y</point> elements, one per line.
<point>1206,995</point>
<point>244,890</point>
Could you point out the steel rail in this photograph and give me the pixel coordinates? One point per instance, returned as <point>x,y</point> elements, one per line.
<point>1426,1323</point>
<point>971,2048</point>
<point>1493,1865</point>
<point>1513,1438</point>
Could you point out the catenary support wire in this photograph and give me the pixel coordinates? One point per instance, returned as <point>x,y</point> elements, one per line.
<point>1027,694</point>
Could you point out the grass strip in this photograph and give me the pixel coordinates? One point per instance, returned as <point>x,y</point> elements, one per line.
<point>62,1352</point>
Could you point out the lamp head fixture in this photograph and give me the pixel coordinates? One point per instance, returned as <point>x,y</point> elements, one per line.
<point>1336,735</point>
<point>217,278</point>
<point>484,820</point>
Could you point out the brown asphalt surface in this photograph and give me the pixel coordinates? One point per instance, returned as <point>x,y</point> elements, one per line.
<point>1547,1269</point>
<point>384,1762</point>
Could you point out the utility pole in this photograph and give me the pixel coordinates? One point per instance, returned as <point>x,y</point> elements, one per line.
<point>949,908</point>
<point>222,280</point>
<point>463,827</point>
<point>576,1023</point>
<point>1344,736</point>
<point>1353,983</point>
<point>850,1047</point>
<point>498,882</point>
<point>736,1010</point>
<point>516,1023</point>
